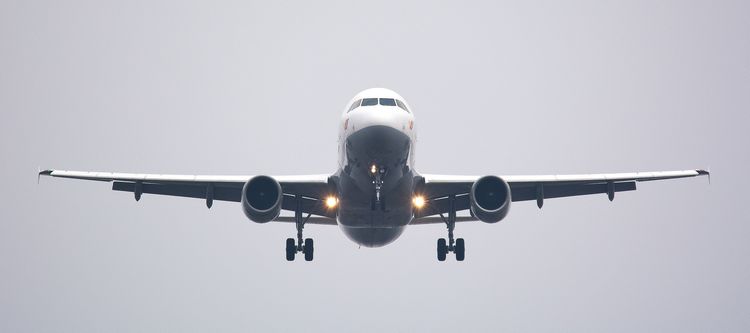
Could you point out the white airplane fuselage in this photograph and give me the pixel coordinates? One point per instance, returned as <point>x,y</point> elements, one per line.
<point>376,168</point>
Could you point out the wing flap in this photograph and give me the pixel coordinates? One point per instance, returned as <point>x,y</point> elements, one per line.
<point>442,205</point>
<point>312,220</point>
<point>524,193</point>
<point>182,190</point>
<point>308,205</point>
<point>439,220</point>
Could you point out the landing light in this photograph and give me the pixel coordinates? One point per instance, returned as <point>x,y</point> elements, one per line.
<point>373,169</point>
<point>418,201</point>
<point>331,201</point>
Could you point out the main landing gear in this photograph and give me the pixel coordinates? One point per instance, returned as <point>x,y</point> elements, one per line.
<point>456,246</point>
<point>305,247</point>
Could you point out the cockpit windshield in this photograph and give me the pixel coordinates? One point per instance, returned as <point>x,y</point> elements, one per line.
<point>355,104</point>
<point>402,105</point>
<point>376,101</point>
<point>388,101</point>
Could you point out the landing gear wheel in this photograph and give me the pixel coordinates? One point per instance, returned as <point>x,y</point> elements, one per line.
<point>456,246</point>
<point>291,249</point>
<point>442,249</point>
<point>460,249</point>
<point>297,245</point>
<point>308,249</point>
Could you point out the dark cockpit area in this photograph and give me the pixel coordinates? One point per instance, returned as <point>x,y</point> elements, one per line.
<point>378,101</point>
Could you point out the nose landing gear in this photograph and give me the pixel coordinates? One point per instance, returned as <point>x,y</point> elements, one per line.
<point>305,247</point>
<point>378,173</point>
<point>456,246</point>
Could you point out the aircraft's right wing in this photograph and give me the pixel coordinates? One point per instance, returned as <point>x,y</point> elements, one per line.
<point>539,187</point>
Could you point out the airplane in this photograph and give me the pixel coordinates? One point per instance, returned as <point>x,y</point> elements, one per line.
<point>376,191</point>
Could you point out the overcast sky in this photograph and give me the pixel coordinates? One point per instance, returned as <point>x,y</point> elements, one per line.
<point>258,88</point>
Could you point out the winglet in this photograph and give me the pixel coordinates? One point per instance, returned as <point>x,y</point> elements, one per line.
<point>41,173</point>
<point>706,172</point>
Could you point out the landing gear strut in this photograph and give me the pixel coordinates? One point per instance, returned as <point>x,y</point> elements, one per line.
<point>456,246</point>
<point>305,247</point>
<point>377,174</point>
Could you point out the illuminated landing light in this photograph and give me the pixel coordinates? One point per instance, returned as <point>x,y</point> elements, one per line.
<point>418,201</point>
<point>373,169</point>
<point>331,202</point>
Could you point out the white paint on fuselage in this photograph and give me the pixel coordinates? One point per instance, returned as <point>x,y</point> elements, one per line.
<point>375,115</point>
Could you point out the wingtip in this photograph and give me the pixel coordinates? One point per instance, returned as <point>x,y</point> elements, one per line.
<point>46,172</point>
<point>706,172</point>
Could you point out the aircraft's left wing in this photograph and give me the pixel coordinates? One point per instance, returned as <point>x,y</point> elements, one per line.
<point>437,188</point>
<point>311,189</point>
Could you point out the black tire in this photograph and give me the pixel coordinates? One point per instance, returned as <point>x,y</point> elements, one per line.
<point>308,249</point>
<point>460,249</point>
<point>442,249</point>
<point>291,249</point>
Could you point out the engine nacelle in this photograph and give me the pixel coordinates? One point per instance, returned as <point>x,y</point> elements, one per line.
<point>261,199</point>
<point>490,199</point>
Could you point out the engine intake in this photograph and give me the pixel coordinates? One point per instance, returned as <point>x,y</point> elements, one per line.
<point>261,199</point>
<point>490,199</point>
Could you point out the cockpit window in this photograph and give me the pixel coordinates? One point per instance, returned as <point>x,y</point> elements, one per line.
<point>354,105</point>
<point>381,101</point>
<point>402,105</point>
<point>388,101</point>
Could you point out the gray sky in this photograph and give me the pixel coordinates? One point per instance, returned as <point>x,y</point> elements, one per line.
<point>257,88</point>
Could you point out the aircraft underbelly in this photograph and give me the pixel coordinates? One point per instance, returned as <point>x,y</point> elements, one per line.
<point>364,219</point>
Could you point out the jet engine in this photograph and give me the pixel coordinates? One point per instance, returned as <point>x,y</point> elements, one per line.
<point>490,199</point>
<point>261,199</point>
